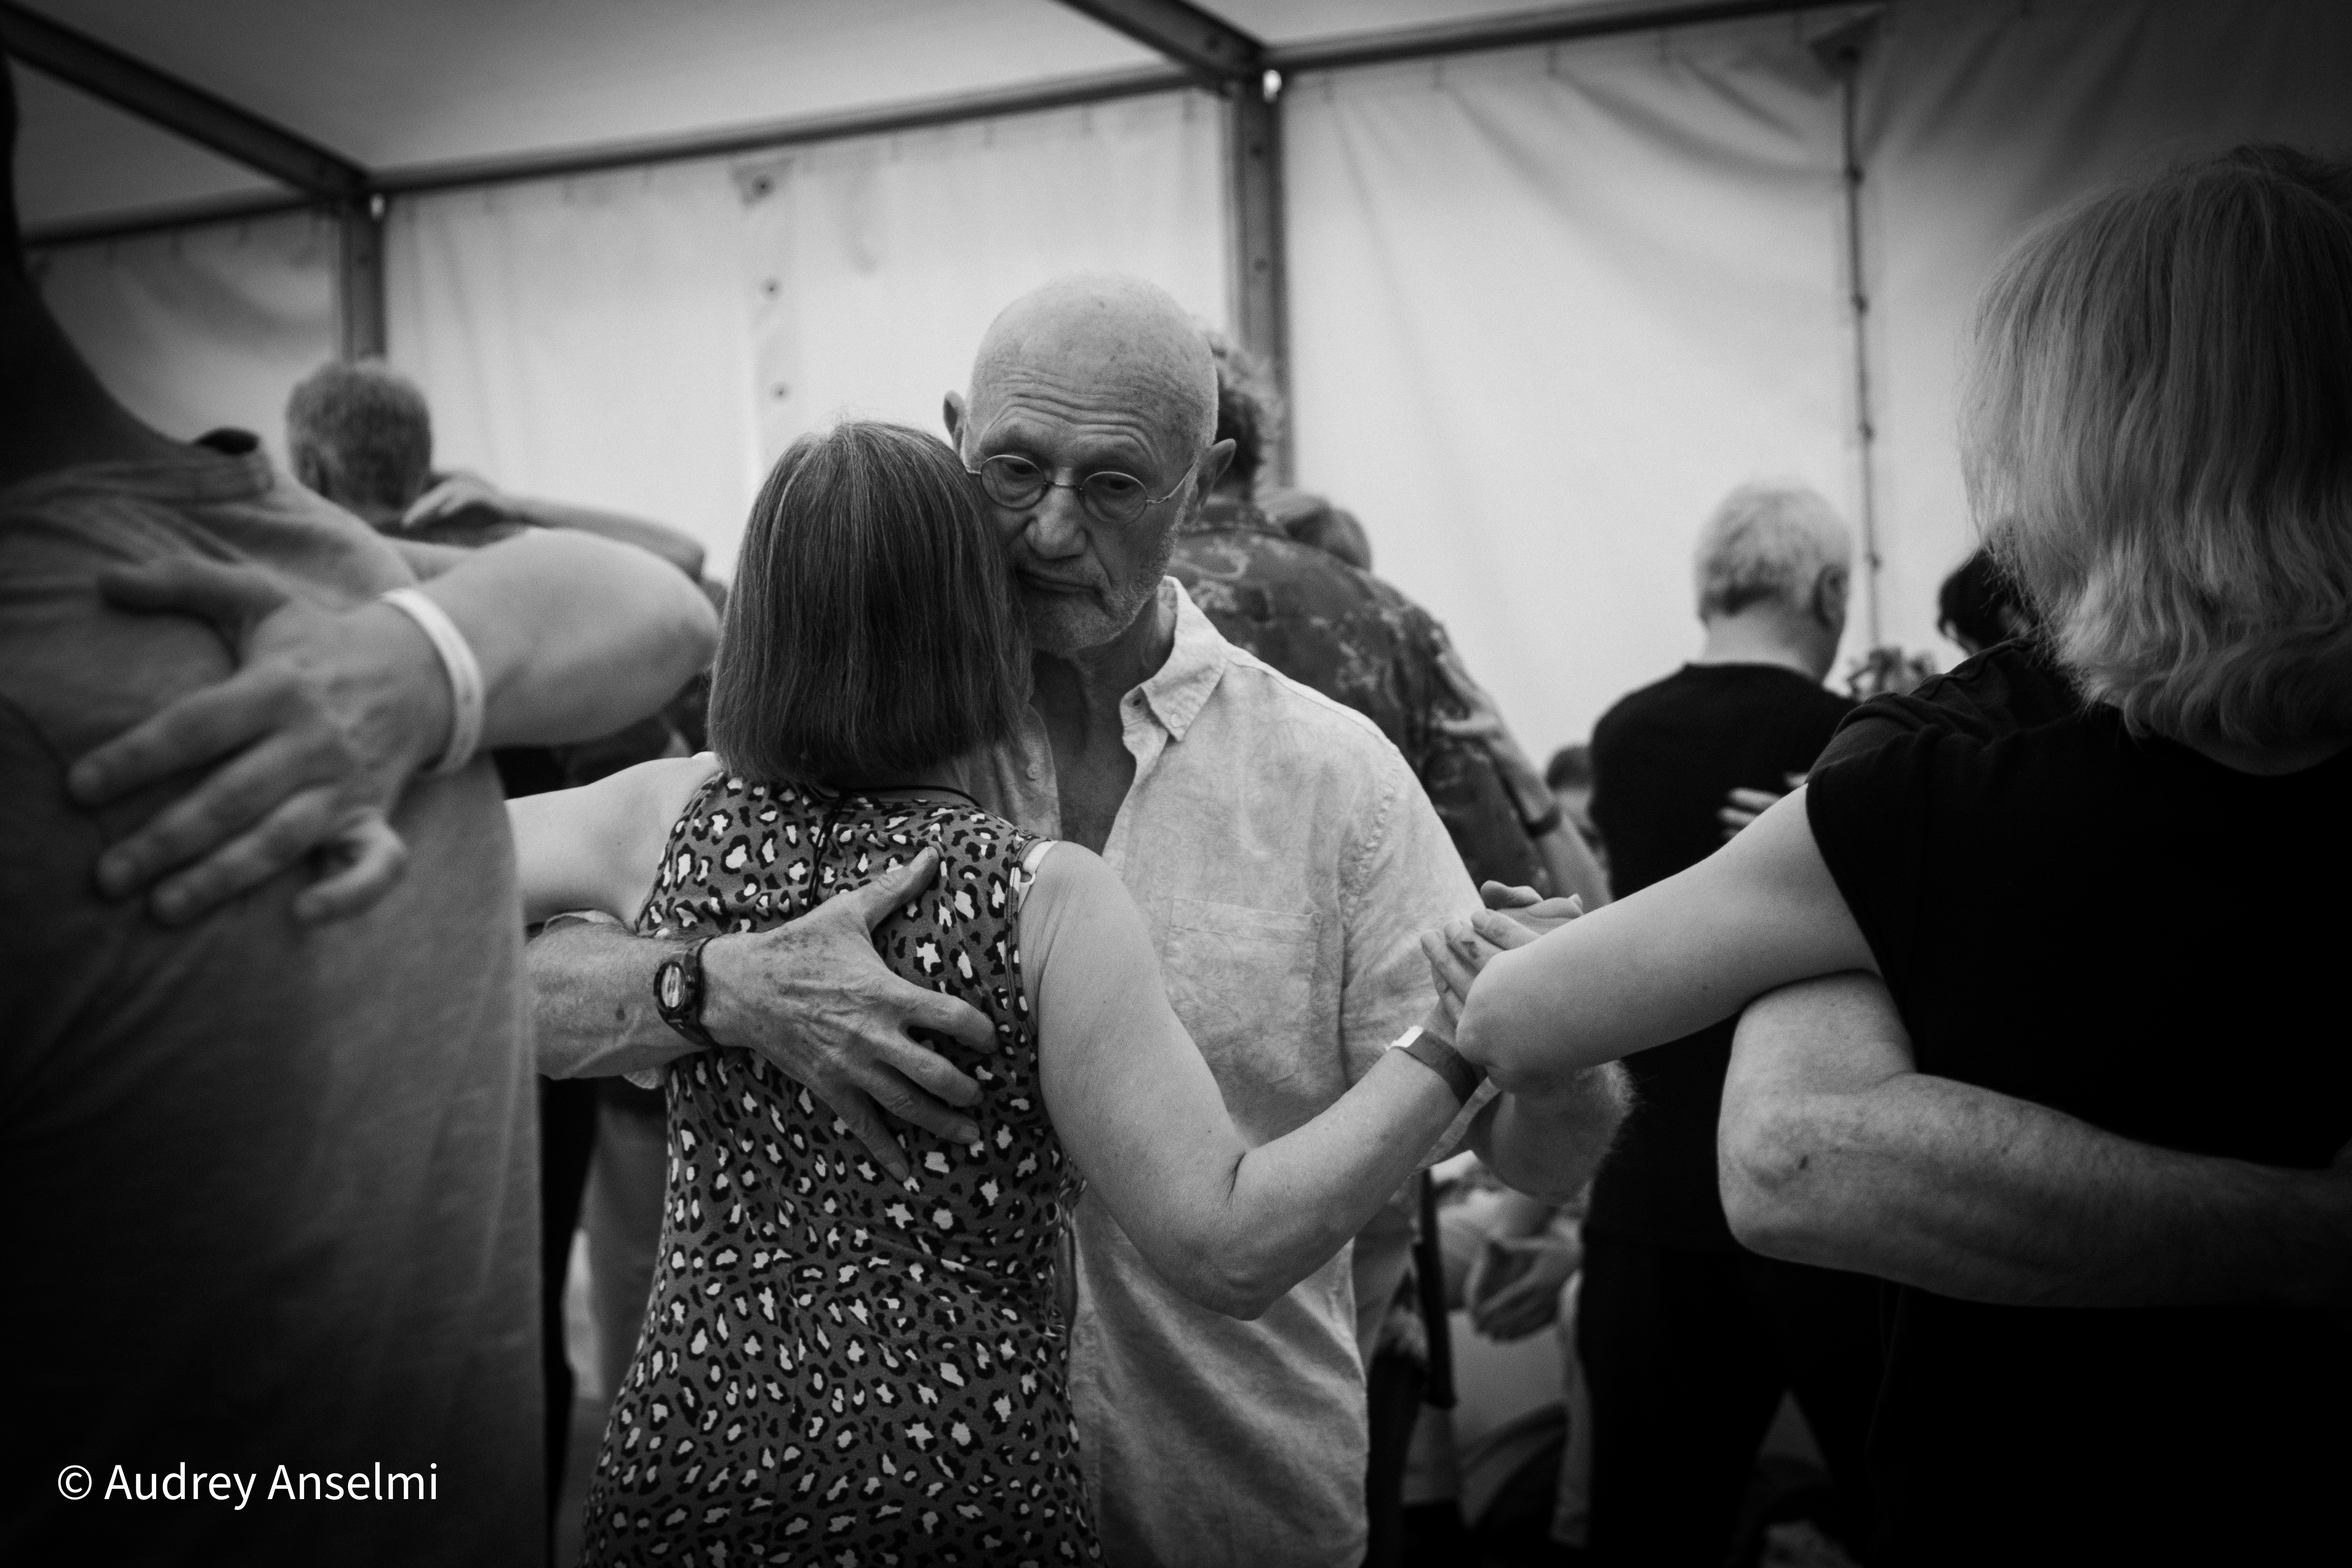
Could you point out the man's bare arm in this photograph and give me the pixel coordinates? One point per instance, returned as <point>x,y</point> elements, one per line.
<point>459,497</point>
<point>812,996</point>
<point>1832,1150</point>
<point>332,712</point>
<point>1549,1148</point>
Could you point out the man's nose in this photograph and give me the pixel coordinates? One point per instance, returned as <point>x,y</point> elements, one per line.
<point>1057,525</point>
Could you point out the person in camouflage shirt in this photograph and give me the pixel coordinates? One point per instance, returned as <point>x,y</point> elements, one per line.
<point>1343,632</point>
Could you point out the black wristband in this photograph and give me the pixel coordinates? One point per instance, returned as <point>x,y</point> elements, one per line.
<point>1542,824</point>
<point>1459,1075</point>
<point>678,994</point>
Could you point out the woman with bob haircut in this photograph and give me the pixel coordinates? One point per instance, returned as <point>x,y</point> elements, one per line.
<point>2160,417</point>
<point>833,1362</point>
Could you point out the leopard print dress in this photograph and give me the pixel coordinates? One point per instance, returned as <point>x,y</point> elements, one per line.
<point>834,1368</point>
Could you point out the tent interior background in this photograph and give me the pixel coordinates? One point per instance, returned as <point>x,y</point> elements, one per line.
<point>1543,284</point>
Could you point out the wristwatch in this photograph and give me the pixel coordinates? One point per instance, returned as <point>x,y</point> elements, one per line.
<point>677,994</point>
<point>1460,1075</point>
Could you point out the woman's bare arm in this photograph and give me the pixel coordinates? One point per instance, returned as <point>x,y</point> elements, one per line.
<point>1134,1102</point>
<point>1680,954</point>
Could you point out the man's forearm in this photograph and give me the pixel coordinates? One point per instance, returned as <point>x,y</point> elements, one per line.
<point>577,635</point>
<point>592,988</point>
<point>1549,1148</point>
<point>677,549</point>
<point>1975,1195</point>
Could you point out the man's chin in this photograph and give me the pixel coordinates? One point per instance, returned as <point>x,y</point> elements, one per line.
<point>1059,622</point>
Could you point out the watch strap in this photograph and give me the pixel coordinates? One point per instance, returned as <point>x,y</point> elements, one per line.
<point>1462,1076</point>
<point>678,994</point>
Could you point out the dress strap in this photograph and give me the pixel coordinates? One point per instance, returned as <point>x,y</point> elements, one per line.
<point>1029,864</point>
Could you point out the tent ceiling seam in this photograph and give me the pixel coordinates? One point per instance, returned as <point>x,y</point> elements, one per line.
<point>181,107</point>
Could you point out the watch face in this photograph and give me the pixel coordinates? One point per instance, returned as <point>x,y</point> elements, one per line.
<point>671,985</point>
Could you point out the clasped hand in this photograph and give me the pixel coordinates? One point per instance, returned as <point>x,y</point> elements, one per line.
<point>1462,947</point>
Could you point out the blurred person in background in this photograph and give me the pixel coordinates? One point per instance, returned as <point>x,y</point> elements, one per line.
<point>1569,776</point>
<point>1980,607</point>
<point>360,434</point>
<point>1312,520</point>
<point>264,1093</point>
<point>1690,1341</point>
<point>1330,625</point>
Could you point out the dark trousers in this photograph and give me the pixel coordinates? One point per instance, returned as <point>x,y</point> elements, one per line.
<point>1687,1355</point>
<point>1393,1385</point>
<point>567,1135</point>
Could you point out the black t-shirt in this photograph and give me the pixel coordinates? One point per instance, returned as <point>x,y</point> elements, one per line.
<point>2125,931</point>
<point>2008,687</point>
<point>1663,761</point>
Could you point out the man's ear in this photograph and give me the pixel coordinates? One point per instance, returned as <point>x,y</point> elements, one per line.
<point>1213,466</point>
<point>310,471</point>
<point>1829,596</point>
<point>951,413</point>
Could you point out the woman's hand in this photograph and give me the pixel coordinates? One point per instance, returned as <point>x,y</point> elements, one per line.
<point>1458,950</point>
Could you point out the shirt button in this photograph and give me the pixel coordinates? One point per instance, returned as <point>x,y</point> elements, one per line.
<point>1033,770</point>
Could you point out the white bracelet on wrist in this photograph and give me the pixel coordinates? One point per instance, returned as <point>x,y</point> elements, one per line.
<point>466,698</point>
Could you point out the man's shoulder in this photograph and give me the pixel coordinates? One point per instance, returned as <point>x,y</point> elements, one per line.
<point>81,670</point>
<point>1631,710</point>
<point>1287,716</point>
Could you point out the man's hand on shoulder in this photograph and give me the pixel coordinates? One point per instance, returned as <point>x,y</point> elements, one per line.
<point>814,999</point>
<point>460,497</point>
<point>309,745</point>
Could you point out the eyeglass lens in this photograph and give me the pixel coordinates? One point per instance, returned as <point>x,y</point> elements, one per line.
<point>1015,481</point>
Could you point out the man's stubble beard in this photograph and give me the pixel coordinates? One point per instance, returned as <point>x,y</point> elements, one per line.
<point>1067,623</point>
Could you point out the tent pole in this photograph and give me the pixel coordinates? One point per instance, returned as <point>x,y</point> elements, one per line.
<point>359,281</point>
<point>1257,270</point>
<point>1840,53</point>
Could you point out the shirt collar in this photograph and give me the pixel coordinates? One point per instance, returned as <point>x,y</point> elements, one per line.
<point>1178,689</point>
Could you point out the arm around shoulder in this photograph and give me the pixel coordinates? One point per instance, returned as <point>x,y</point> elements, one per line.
<point>577,635</point>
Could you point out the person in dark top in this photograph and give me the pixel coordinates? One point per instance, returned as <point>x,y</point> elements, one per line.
<point>2010,686</point>
<point>2078,1101</point>
<point>1689,1342</point>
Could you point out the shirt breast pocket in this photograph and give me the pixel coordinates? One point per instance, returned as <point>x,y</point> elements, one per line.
<point>1243,981</point>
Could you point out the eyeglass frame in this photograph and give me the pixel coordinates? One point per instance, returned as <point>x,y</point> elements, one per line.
<point>1053,482</point>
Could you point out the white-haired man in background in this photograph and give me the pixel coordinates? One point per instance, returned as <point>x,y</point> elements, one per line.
<point>1689,1342</point>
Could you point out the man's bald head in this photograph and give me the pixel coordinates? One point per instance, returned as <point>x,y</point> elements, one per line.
<point>1102,335</point>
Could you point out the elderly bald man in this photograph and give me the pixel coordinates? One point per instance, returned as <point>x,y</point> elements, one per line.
<point>1279,846</point>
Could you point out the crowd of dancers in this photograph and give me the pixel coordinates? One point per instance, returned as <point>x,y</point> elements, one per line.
<point>1058,949</point>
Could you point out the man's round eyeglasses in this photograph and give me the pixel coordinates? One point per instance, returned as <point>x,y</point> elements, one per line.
<point>1012,481</point>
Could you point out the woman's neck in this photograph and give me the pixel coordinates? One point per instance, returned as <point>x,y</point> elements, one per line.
<point>928,779</point>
